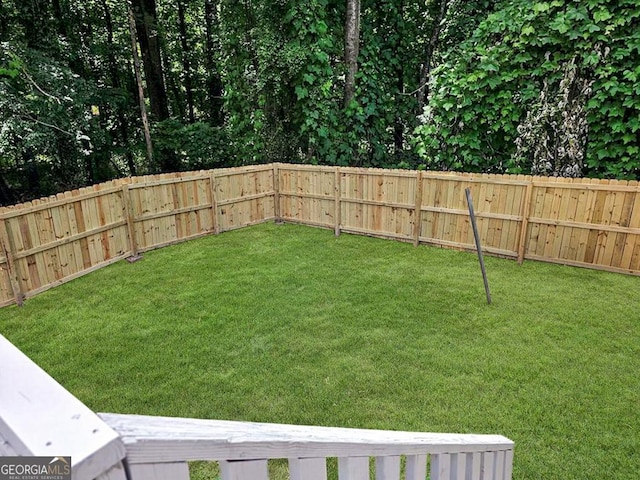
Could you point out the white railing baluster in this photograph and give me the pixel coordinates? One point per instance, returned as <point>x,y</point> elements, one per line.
<point>499,466</point>
<point>308,468</point>
<point>353,468</point>
<point>441,466</point>
<point>508,465</point>
<point>460,466</point>
<point>159,471</point>
<point>388,468</point>
<point>416,467</point>
<point>488,466</point>
<point>244,470</point>
<point>474,465</point>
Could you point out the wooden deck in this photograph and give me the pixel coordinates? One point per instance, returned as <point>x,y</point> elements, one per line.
<point>38,417</point>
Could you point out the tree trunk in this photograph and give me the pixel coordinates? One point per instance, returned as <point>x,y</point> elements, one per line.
<point>186,64</point>
<point>123,124</point>
<point>60,20</point>
<point>174,93</point>
<point>425,71</point>
<point>398,126</point>
<point>146,21</point>
<point>351,48</point>
<point>33,16</point>
<point>147,28</point>
<point>4,36</point>
<point>143,108</point>
<point>214,82</point>
<point>7,197</point>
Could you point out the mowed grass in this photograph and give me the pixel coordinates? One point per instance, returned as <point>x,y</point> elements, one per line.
<point>289,324</point>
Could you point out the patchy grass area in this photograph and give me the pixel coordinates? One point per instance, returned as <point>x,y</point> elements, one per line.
<point>289,324</point>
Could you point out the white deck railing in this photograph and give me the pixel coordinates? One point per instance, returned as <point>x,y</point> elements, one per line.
<point>39,417</point>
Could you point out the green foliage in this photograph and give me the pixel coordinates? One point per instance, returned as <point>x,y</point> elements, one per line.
<point>284,80</point>
<point>198,146</point>
<point>483,92</point>
<point>69,105</point>
<point>49,140</point>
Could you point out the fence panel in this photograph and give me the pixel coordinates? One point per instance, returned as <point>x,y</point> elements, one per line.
<point>169,209</point>
<point>378,202</point>
<point>244,196</point>
<point>586,222</point>
<point>7,294</point>
<point>56,239</point>
<point>307,194</point>
<point>498,202</point>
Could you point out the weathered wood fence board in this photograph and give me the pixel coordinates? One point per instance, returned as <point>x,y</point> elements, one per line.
<point>583,222</point>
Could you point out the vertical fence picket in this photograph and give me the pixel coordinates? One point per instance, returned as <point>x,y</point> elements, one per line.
<point>214,204</point>
<point>9,252</point>
<point>417,214</point>
<point>524,224</point>
<point>276,198</point>
<point>128,211</point>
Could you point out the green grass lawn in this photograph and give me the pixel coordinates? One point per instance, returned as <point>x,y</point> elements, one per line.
<point>290,324</point>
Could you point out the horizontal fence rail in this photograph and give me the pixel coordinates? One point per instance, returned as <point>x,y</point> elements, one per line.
<point>582,222</point>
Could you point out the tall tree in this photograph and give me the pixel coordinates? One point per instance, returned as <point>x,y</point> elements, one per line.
<point>351,48</point>
<point>4,22</point>
<point>186,62</point>
<point>143,108</point>
<point>556,79</point>
<point>114,72</point>
<point>146,20</point>
<point>441,7</point>
<point>148,37</point>
<point>212,52</point>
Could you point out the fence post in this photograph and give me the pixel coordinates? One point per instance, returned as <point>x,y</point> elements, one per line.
<point>128,211</point>
<point>522,243</point>
<point>417,216</point>
<point>276,196</point>
<point>214,204</point>
<point>338,208</point>
<point>9,253</point>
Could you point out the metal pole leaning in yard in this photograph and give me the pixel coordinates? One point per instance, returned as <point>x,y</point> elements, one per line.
<point>476,235</point>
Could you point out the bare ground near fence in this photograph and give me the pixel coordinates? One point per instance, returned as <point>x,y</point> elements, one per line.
<point>581,222</point>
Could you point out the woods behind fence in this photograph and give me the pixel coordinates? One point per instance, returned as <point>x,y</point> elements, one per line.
<point>582,222</point>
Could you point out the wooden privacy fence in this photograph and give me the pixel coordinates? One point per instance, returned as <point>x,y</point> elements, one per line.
<point>581,222</point>
<point>53,240</point>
